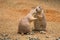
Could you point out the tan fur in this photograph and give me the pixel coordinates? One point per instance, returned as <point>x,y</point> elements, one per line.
<point>24,24</point>
<point>40,23</point>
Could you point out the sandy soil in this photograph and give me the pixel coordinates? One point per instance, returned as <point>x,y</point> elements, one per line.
<point>11,11</point>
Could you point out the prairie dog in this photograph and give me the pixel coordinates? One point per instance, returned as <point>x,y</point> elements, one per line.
<point>24,24</point>
<point>40,23</point>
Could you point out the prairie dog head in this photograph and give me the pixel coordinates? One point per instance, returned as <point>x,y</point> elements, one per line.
<point>38,9</point>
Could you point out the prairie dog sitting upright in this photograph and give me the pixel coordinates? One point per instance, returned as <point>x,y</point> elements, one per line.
<point>40,23</point>
<point>24,24</point>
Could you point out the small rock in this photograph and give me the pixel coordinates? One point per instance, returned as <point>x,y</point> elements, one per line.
<point>7,38</point>
<point>48,36</point>
<point>42,32</point>
<point>30,33</point>
<point>34,38</point>
<point>4,35</point>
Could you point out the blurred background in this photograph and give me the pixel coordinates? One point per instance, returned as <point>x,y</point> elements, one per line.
<point>11,11</point>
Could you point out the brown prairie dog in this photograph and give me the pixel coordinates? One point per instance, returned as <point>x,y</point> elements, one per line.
<point>40,23</point>
<point>24,24</point>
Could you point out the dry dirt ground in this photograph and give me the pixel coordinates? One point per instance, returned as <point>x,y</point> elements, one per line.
<point>11,11</point>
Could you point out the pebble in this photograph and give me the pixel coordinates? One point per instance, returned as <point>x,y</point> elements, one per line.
<point>48,36</point>
<point>42,32</point>
<point>30,33</point>
<point>34,38</point>
<point>7,38</point>
<point>4,35</point>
